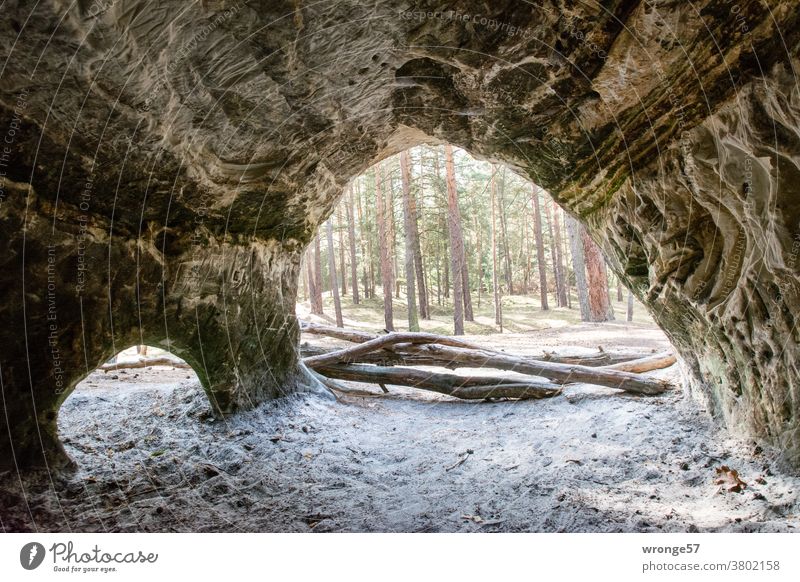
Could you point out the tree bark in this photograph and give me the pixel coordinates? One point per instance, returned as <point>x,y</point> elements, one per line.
<point>411,299</point>
<point>501,207</point>
<point>464,387</point>
<point>551,213</point>
<point>337,303</point>
<point>575,234</point>
<point>646,364</point>
<point>383,247</point>
<point>498,305</point>
<point>468,313</point>
<point>456,242</point>
<point>537,233</point>
<point>315,279</point>
<point>419,265</point>
<point>351,239</point>
<point>597,280</point>
<point>340,230</point>
<point>630,306</point>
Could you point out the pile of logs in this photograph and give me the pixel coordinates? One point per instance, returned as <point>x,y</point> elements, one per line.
<point>387,359</point>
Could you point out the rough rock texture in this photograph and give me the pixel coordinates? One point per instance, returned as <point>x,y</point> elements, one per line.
<point>165,163</point>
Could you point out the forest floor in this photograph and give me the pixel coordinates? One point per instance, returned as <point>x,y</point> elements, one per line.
<point>151,458</point>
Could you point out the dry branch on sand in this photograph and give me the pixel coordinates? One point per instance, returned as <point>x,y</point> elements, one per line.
<point>425,349</point>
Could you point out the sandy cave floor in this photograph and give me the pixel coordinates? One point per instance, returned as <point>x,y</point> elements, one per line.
<point>151,458</point>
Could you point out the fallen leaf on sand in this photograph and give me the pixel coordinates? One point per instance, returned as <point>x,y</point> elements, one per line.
<point>473,518</point>
<point>729,480</point>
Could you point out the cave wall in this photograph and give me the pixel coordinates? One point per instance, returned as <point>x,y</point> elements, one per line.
<point>165,164</point>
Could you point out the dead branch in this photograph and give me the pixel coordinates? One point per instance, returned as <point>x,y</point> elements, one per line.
<point>561,373</point>
<point>348,355</point>
<point>646,364</point>
<point>465,387</point>
<point>144,363</point>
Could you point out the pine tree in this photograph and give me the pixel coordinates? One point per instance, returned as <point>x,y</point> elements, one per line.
<point>337,303</point>
<point>411,299</point>
<point>456,242</point>
<point>537,231</point>
<point>384,247</point>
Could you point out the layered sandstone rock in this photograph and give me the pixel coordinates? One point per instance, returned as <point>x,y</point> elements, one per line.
<point>165,164</point>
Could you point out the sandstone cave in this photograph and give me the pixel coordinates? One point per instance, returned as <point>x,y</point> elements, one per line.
<point>167,170</point>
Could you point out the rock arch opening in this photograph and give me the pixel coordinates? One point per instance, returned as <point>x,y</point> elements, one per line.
<point>95,421</point>
<point>202,186</point>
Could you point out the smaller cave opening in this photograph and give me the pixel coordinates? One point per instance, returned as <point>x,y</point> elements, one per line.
<point>121,411</point>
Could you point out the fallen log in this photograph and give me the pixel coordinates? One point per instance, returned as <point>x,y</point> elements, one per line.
<point>647,364</point>
<point>144,363</point>
<point>560,373</point>
<point>350,335</point>
<point>601,358</point>
<point>465,387</point>
<point>353,354</point>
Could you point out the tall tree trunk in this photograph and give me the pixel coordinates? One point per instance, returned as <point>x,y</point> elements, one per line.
<point>351,238</point>
<point>388,193</point>
<point>478,257</point>
<point>537,232</point>
<point>498,305</point>
<point>597,280</point>
<point>337,303</point>
<point>456,242</point>
<point>468,313</point>
<point>419,266</point>
<point>315,279</point>
<point>362,238</point>
<point>340,230</point>
<point>501,209</point>
<point>555,243</point>
<point>383,247</point>
<point>630,305</point>
<point>565,254</point>
<point>575,235</point>
<point>619,290</point>
<point>562,272</point>
<point>304,278</point>
<point>526,249</point>
<point>408,219</point>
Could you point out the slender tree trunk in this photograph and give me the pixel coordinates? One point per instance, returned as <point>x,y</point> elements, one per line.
<point>565,254</point>
<point>362,238</point>
<point>526,249</point>
<point>383,247</point>
<point>419,266</point>
<point>408,219</point>
<point>575,235</point>
<point>456,242</point>
<point>340,230</point>
<point>478,257</point>
<point>597,280</point>
<point>337,303</point>
<point>555,243</point>
<point>537,231</point>
<point>562,272</point>
<point>388,192</point>
<point>304,277</point>
<point>501,209</point>
<point>315,279</point>
<point>619,290</point>
<point>351,238</point>
<point>498,305</point>
<point>630,305</point>
<point>468,313</point>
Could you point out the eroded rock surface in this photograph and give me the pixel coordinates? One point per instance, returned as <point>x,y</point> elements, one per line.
<point>164,165</point>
